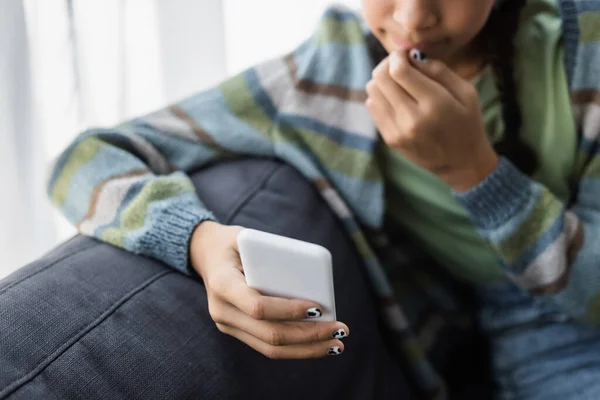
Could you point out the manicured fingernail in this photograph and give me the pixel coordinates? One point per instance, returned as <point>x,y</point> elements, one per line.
<point>313,312</point>
<point>339,334</point>
<point>418,55</point>
<point>335,351</point>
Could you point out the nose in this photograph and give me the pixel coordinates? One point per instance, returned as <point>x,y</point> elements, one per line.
<point>415,15</point>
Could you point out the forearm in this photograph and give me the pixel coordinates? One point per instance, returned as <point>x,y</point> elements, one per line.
<point>109,193</point>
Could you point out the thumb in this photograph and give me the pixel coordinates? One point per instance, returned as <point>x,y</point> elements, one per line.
<point>439,72</point>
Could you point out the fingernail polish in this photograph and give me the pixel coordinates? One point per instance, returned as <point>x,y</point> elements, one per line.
<point>335,351</point>
<point>418,55</point>
<point>339,334</point>
<point>313,312</point>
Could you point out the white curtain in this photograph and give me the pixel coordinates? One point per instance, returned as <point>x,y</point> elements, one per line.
<point>25,219</point>
<point>256,30</point>
<point>70,64</point>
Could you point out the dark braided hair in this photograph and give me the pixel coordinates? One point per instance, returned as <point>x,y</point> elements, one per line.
<point>496,42</point>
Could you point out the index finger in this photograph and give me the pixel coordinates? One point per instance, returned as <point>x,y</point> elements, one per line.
<point>415,82</point>
<point>251,302</point>
<point>441,73</point>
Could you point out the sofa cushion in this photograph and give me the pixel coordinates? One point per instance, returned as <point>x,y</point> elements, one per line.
<point>89,320</point>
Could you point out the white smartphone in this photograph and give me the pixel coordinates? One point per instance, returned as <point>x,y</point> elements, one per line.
<point>284,267</point>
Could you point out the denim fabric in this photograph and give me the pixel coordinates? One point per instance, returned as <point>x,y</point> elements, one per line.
<point>539,353</point>
<point>91,321</point>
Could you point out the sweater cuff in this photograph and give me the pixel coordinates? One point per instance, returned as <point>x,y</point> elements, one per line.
<point>498,198</point>
<point>168,239</point>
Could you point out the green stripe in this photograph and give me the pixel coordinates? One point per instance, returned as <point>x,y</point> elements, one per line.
<point>134,215</point>
<point>241,102</point>
<point>589,26</point>
<point>544,214</point>
<point>412,350</point>
<point>81,155</point>
<point>346,32</point>
<point>352,162</point>
<point>363,247</point>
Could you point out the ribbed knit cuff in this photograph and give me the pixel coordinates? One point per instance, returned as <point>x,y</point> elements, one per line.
<point>570,13</point>
<point>498,198</point>
<point>168,239</point>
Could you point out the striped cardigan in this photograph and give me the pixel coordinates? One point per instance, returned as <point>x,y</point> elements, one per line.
<point>128,186</point>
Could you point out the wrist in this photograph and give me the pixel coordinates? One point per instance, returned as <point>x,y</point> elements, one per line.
<point>480,167</point>
<point>201,238</point>
<point>211,244</point>
<point>500,197</point>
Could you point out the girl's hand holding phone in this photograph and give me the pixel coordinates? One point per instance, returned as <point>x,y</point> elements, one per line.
<point>433,117</point>
<point>270,325</point>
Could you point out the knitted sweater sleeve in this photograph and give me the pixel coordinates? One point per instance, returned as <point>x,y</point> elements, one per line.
<point>128,185</point>
<point>544,247</point>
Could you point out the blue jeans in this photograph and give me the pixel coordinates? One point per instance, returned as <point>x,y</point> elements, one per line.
<point>538,352</point>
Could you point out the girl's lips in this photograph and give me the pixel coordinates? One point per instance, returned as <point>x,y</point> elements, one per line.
<point>424,46</point>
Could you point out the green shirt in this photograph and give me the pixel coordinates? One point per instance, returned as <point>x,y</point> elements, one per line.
<point>423,204</point>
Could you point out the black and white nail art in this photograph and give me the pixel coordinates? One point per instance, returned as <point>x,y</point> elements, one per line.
<point>418,55</point>
<point>313,312</point>
<point>335,351</point>
<point>339,334</point>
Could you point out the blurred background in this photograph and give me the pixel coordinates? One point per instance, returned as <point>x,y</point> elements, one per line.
<point>66,65</point>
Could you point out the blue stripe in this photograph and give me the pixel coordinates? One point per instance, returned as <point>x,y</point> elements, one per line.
<point>344,138</point>
<point>260,95</point>
<point>340,13</point>
<point>547,238</point>
<point>350,224</point>
<point>61,161</point>
<point>587,207</point>
<point>588,66</point>
<point>297,158</point>
<point>180,152</point>
<point>109,161</point>
<point>211,111</point>
<point>587,145</point>
<point>570,23</point>
<point>348,66</point>
<point>59,166</point>
<point>587,5</point>
<point>378,278</point>
<point>506,230</point>
<point>116,138</point>
<point>367,197</point>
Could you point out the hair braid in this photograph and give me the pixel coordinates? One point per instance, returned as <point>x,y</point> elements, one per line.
<point>498,37</point>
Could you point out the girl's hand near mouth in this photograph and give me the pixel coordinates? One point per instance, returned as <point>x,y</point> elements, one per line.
<point>432,116</point>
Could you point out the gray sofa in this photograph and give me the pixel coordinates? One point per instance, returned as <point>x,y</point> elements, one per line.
<point>90,321</point>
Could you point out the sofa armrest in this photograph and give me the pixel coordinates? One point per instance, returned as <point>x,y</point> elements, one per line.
<point>89,320</point>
